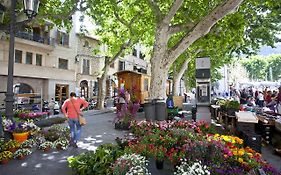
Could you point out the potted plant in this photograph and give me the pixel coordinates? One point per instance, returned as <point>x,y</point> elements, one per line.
<point>232,107</point>
<point>5,156</point>
<point>21,153</point>
<point>159,153</point>
<point>11,145</point>
<point>196,168</point>
<point>30,143</point>
<point>61,143</point>
<point>46,146</point>
<point>129,163</point>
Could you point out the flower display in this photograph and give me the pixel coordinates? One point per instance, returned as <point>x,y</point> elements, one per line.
<point>28,143</point>
<point>46,145</point>
<point>32,115</point>
<point>22,153</point>
<point>11,144</point>
<point>196,168</point>
<point>6,155</point>
<point>61,143</point>
<point>196,143</point>
<point>19,127</point>
<point>130,164</point>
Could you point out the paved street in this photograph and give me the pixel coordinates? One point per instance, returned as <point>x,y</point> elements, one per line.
<point>99,130</point>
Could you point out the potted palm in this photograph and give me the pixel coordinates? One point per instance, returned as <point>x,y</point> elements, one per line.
<point>5,157</point>
<point>22,153</point>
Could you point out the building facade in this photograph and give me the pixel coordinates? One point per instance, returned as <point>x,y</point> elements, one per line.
<point>52,63</point>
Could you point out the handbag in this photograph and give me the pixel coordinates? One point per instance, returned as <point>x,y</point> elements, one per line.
<point>81,119</point>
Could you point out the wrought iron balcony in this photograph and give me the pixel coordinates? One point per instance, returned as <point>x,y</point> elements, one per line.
<point>36,38</point>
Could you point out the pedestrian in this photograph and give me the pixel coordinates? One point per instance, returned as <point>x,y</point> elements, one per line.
<point>71,109</point>
<point>51,106</point>
<point>278,99</point>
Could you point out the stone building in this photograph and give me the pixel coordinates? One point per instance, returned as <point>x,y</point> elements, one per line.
<point>51,63</point>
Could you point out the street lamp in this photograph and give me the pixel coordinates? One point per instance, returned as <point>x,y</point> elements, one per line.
<point>31,10</point>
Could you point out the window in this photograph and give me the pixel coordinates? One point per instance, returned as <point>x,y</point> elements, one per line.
<point>86,67</point>
<point>121,65</point>
<point>86,44</point>
<point>28,59</point>
<point>18,56</point>
<point>112,65</point>
<point>142,56</point>
<point>63,63</point>
<point>62,38</point>
<point>38,60</point>
<point>135,52</point>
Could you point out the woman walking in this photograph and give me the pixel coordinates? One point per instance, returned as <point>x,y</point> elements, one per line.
<point>71,109</point>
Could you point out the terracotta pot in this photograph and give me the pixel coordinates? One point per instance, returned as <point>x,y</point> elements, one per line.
<point>13,150</point>
<point>20,137</point>
<point>59,147</point>
<point>47,149</point>
<point>4,161</point>
<point>21,157</point>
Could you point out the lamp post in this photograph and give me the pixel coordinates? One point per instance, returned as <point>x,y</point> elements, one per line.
<point>2,13</point>
<point>31,10</point>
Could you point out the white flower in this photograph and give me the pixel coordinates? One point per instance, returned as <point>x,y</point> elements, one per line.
<point>193,169</point>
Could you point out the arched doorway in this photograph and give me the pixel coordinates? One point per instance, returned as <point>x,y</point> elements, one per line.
<point>84,89</point>
<point>24,94</point>
<point>22,88</point>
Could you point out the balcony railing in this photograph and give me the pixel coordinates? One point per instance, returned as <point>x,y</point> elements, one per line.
<point>37,38</point>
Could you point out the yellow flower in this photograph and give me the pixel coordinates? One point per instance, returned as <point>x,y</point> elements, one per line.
<point>240,160</point>
<point>234,152</point>
<point>216,135</point>
<point>241,152</point>
<point>250,155</point>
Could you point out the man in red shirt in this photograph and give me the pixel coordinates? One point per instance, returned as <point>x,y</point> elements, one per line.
<point>71,109</point>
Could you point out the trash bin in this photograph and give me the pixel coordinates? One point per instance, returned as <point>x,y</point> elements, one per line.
<point>149,110</point>
<point>160,109</point>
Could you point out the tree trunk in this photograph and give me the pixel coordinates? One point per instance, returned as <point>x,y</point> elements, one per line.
<point>158,80</point>
<point>102,88</point>
<point>177,76</point>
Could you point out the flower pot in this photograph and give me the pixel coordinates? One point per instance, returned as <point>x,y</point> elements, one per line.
<point>20,137</point>
<point>13,150</point>
<point>159,164</point>
<point>21,157</point>
<point>4,161</point>
<point>47,149</point>
<point>59,147</point>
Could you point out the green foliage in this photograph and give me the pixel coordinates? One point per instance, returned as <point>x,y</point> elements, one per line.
<point>233,105</point>
<point>95,162</point>
<point>256,67</point>
<point>259,67</point>
<point>274,62</point>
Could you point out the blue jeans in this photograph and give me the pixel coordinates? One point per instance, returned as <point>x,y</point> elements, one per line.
<point>75,129</point>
